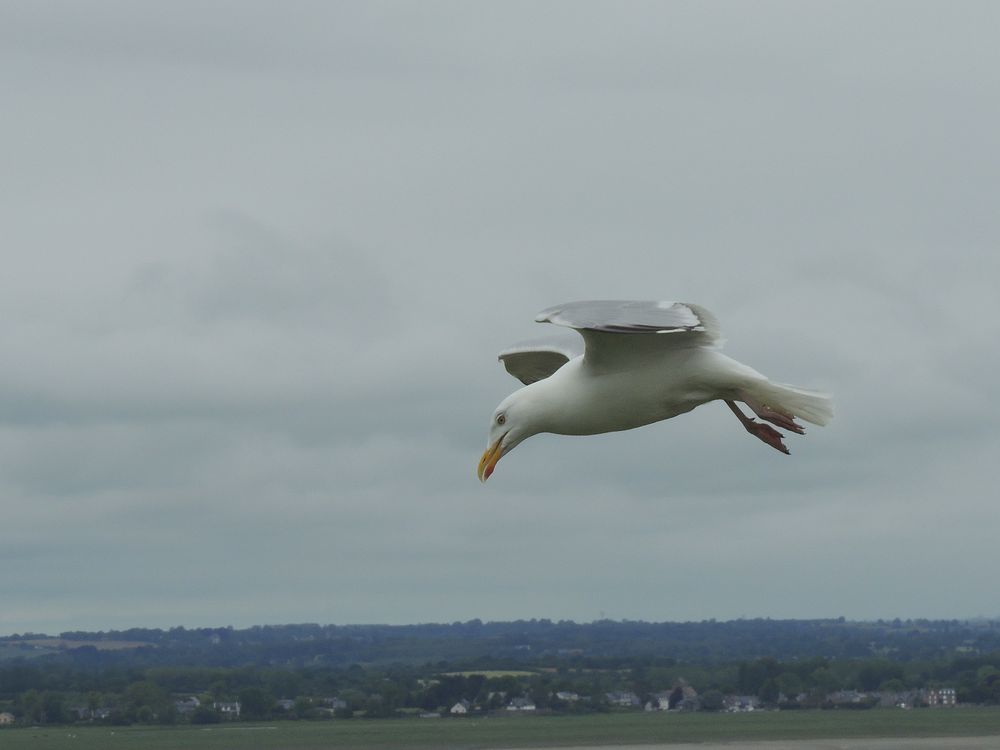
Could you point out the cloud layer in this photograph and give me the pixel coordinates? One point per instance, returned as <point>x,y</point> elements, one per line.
<point>259,264</point>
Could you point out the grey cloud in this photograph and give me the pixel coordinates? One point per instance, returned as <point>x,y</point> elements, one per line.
<point>259,264</point>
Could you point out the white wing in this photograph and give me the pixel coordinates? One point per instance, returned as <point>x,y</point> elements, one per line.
<point>534,360</point>
<point>618,333</point>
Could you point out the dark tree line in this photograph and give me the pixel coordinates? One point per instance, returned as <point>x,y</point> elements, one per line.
<point>49,691</point>
<point>430,667</point>
<point>526,640</point>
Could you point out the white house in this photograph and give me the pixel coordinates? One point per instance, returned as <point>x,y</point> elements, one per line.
<point>940,697</point>
<point>741,703</point>
<point>460,708</point>
<point>627,699</point>
<point>230,710</point>
<point>521,704</point>
<point>659,702</point>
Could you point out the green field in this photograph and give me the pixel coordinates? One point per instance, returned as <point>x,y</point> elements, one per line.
<point>527,731</point>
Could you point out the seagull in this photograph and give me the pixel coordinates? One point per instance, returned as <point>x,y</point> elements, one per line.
<point>641,362</point>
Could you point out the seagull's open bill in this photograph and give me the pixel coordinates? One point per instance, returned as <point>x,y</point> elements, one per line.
<point>642,362</point>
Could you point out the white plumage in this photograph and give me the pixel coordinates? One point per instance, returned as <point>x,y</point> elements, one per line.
<point>642,362</point>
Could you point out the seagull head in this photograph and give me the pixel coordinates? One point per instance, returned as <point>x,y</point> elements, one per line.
<point>518,417</point>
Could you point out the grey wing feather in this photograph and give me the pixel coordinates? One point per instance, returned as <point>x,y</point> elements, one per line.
<point>536,359</point>
<point>619,331</point>
<point>630,316</point>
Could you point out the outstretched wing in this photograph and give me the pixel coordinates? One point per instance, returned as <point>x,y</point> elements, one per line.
<point>618,333</point>
<point>536,359</point>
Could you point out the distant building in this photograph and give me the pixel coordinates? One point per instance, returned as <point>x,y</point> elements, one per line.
<point>940,697</point>
<point>228,710</point>
<point>625,699</point>
<point>521,704</point>
<point>741,703</point>
<point>897,699</point>
<point>187,706</point>
<point>460,708</point>
<point>568,696</point>
<point>842,697</point>
<point>85,713</point>
<point>683,698</point>
<point>6,719</point>
<point>659,702</point>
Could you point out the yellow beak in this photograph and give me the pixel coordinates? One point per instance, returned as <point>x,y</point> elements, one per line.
<point>489,461</point>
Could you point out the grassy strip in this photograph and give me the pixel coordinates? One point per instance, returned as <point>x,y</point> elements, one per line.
<point>512,732</point>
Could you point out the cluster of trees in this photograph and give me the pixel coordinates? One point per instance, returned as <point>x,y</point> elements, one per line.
<point>47,691</point>
<point>141,678</point>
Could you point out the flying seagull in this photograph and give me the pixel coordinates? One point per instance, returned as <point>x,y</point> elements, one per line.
<point>641,362</point>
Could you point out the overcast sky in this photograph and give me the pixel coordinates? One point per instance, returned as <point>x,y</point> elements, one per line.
<point>258,260</point>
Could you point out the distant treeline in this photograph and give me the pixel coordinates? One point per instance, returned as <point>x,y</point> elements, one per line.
<point>313,671</point>
<point>517,642</point>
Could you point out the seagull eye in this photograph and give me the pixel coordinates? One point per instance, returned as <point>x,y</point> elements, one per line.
<point>501,419</point>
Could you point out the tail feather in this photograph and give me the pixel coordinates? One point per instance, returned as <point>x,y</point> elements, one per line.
<point>812,406</point>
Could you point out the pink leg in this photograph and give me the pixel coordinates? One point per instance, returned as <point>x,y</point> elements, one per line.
<point>785,421</point>
<point>760,430</point>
